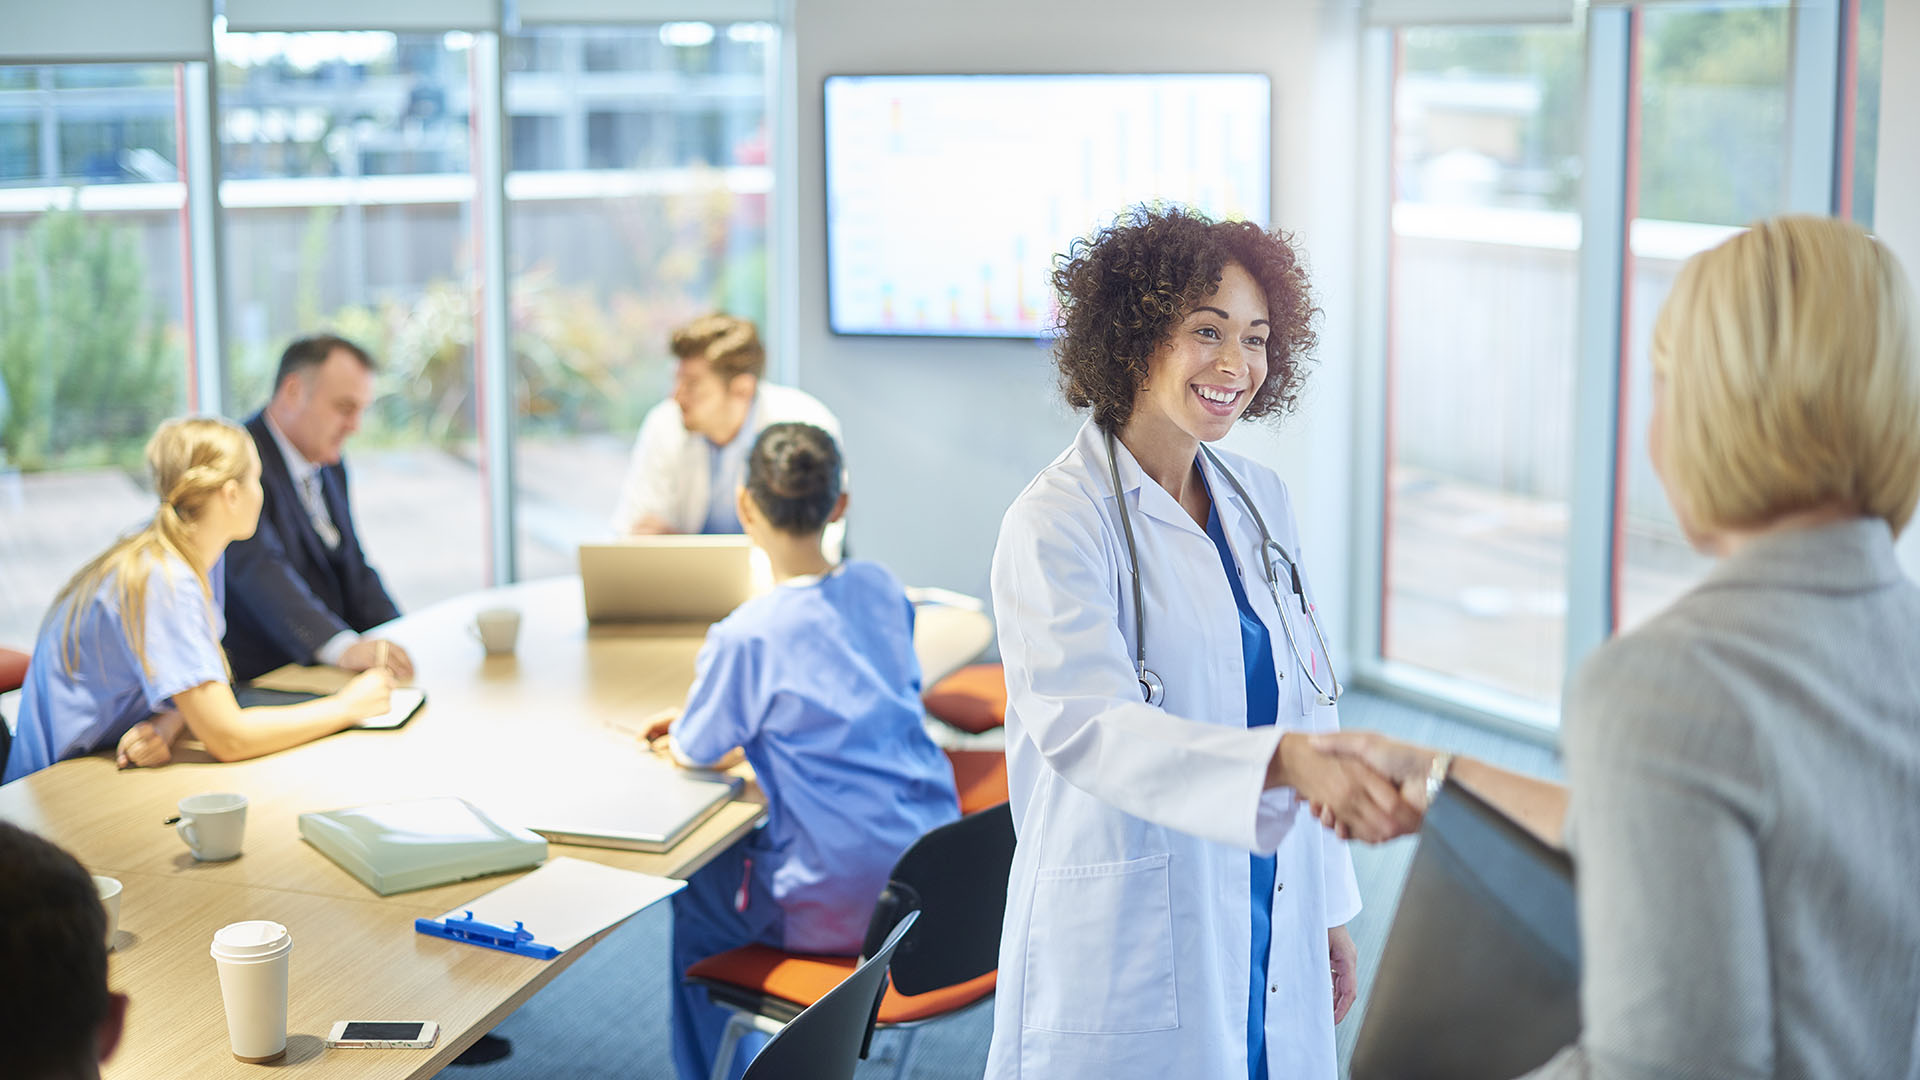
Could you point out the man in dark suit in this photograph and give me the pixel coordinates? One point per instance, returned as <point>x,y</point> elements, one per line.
<point>300,590</point>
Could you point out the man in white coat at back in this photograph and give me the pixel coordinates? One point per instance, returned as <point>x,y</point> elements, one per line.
<point>692,450</point>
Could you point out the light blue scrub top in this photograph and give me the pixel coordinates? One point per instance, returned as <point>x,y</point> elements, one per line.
<point>65,715</point>
<point>726,471</point>
<point>819,683</point>
<point>1263,703</point>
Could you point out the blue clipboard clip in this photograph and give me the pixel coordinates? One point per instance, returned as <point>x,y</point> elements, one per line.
<point>518,940</point>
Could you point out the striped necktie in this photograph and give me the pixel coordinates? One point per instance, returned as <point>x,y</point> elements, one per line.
<point>317,511</point>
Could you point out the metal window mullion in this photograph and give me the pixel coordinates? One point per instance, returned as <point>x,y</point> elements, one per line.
<point>1375,163</point>
<point>783,205</point>
<point>496,367</point>
<point>1814,97</point>
<point>206,236</point>
<point>1596,386</point>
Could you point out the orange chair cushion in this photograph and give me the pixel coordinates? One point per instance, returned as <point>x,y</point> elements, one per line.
<point>980,778</point>
<point>13,669</point>
<point>804,980</point>
<point>973,699</point>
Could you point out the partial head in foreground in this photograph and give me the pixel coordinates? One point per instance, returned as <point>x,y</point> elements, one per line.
<point>57,1019</point>
<point>1137,291</point>
<point>1787,380</point>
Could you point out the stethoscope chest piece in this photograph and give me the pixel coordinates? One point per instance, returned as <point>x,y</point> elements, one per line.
<point>1151,688</point>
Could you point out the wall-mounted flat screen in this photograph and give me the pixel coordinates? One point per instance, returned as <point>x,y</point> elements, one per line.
<point>949,195</point>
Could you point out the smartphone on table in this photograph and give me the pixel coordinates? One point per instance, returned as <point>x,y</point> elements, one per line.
<point>383,1034</point>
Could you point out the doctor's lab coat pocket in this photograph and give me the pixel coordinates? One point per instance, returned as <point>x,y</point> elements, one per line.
<point>1100,949</point>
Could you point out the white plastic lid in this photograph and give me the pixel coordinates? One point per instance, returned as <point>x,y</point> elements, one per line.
<point>247,940</point>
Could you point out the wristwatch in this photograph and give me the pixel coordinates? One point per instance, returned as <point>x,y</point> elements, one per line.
<point>1437,774</point>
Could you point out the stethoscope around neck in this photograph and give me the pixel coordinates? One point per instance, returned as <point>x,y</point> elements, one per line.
<point>1154,690</point>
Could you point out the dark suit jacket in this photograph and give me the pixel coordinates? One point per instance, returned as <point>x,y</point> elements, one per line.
<point>287,595</point>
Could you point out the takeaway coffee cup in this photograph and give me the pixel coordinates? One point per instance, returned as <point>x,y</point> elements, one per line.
<point>212,825</point>
<point>110,900</point>
<point>252,958</point>
<point>497,628</point>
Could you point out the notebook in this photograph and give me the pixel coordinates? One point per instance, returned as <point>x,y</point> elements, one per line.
<point>626,799</point>
<point>418,843</point>
<point>405,702</point>
<point>668,578</point>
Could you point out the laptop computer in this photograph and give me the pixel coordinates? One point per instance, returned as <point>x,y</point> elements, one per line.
<point>669,578</point>
<point>1481,973</point>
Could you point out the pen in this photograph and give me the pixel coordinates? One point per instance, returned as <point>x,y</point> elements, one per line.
<point>380,656</point>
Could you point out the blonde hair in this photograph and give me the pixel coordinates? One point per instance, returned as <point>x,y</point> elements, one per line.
<point>729,343</point>
<point>1792,379</point>
<point>190,461</point>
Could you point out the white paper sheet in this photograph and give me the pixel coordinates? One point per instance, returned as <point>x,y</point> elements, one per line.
<point>567,901</point>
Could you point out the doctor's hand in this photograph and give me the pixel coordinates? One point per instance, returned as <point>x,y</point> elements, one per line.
<point>1363,803</point>
<point>659,726</point>
<point>1344,960</point>
<point>1405,764</point>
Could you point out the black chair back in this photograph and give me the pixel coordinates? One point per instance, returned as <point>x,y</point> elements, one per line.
<point>956,878</point>
<point>827,1041</point>
<point>1481,973</point>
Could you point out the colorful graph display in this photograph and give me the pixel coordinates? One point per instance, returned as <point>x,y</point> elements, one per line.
<point>948,196</point>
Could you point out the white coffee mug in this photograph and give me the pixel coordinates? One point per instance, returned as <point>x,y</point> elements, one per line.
<point>212,825</point>
<point>110,900</point>
<point>497,628</point>
<point>253,960</point>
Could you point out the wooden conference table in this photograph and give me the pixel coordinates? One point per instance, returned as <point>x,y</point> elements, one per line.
<point>526,719</point>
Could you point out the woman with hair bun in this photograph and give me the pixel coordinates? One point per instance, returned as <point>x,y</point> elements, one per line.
<point>818,684</point>
<point>129,654</point>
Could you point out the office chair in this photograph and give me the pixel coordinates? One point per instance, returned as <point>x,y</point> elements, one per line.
<point>831,1037</point>
<point>13,675</point>
<point>979,778</point>
<point>1481,972</point>
<point>954,879</point>
<point>973,699</point>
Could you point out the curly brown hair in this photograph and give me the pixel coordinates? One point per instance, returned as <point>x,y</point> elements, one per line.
<point>1124,290</point>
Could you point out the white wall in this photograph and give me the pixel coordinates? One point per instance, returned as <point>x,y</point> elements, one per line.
<point>1896,210</point>
<point>941,435</point>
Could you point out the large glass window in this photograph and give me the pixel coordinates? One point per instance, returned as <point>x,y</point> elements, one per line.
<point>1712,99</point>
<point>349,194</point>
<point>642,204</point>
<point>1485,236</point>
<point>92,301</point>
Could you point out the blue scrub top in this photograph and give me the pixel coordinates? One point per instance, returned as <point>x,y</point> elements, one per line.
<point>1263,703</point>
<point>71,714</point>
<point>819,683</point>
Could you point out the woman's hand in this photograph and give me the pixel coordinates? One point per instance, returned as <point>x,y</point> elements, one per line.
<point>1344,959</point>
<point>149,742</point>
<point>368,694</point>
<point>659,726</point>
<point>1363,803</point>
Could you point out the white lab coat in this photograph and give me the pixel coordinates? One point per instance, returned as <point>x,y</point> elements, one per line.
<point>671,468</point>
<point>1127,936</point>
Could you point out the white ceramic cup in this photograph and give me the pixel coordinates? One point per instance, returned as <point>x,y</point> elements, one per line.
<point>497,628</point>
<point>212,825</point>
<point>252,958</point>
<point>110,900</point>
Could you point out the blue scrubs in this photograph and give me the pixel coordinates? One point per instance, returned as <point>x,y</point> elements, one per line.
<point>818,682</point>
<point>1263,703</point>
<point>66,714</point>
